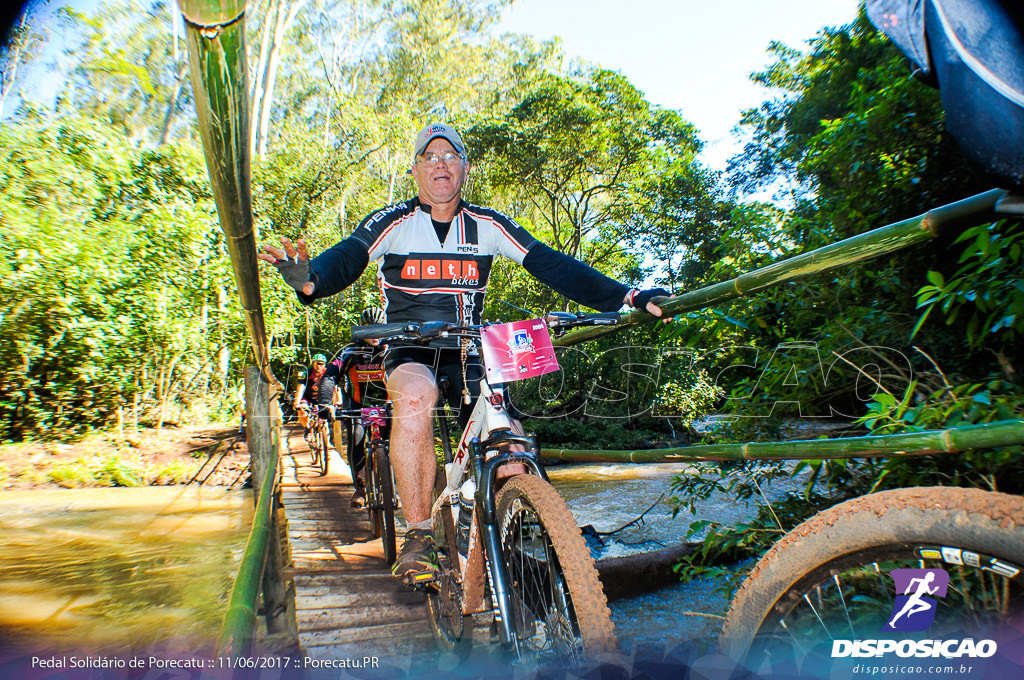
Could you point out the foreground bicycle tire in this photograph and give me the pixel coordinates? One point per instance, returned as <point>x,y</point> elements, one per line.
<point>828,578</point>
<point>560,612</point>
<point>386,496</point>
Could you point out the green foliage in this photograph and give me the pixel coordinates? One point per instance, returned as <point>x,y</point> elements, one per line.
<point>988,288</point>
<point>738,480</point>
<point>577,433</point>
<point>110,293</point>
<point>92,471</point>
<point>950,406</point>
<point>727,545</point>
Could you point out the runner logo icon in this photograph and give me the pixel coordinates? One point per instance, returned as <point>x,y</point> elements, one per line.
<point>915,605</point>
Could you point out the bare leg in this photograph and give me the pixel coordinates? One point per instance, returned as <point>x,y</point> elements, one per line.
<point>413,394</point>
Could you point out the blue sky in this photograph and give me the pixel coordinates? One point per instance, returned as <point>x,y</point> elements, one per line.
<point>689,55</point>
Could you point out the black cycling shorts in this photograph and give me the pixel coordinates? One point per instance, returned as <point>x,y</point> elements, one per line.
<point>446,365</point>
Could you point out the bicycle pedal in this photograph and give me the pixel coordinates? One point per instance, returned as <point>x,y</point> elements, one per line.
<point>419,579</point>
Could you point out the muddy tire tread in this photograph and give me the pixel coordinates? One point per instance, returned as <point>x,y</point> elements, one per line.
<point>973,519</point>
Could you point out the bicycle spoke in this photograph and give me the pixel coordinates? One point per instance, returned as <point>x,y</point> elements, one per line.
<point>846,609</point>
<point>818,616</point>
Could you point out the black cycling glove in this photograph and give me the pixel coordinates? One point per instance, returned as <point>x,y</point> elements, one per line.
<point>638,299</point>
<point>295,272</point>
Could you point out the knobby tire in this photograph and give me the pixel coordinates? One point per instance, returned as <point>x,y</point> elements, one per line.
<point>828,578</point>
<point>382,467</point>
<point>560,612</point>
<point>325,439</point>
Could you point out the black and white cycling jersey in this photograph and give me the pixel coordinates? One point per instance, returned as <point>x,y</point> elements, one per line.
<point>422,278</point>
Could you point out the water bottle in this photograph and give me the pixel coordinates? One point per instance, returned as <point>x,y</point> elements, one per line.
<point>466,499</point>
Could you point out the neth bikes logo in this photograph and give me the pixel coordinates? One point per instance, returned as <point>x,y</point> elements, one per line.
<point>914,610</point>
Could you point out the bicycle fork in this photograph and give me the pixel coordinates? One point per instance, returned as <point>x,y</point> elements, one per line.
<point>485,470</point>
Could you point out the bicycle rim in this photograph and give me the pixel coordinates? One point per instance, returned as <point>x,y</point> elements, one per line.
<point>559,611</point>
<point>793,607</point>
<point>386,495</point>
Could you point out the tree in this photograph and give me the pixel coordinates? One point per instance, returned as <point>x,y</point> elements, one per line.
<point>130,70</point>
<point>279,16</point>
<point>594,166</point>
<point>18,45</point>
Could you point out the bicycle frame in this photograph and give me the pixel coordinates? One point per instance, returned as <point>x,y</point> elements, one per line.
<point>489,429</point>
<point>375,423</point>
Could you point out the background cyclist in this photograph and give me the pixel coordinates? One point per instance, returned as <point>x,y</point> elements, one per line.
<point>358,374</point>
<point>306,390</point>
<point>433,254</point>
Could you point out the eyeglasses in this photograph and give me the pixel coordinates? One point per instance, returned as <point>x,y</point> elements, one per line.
<point>431,159</point>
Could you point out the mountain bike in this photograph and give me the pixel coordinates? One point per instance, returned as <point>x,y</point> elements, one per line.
<point>507,546</point>
<point>381,500</point>
<point>318,437</point>
<point>829,578</point>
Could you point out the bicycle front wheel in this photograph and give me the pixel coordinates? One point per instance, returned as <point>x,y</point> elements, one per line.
<point>315,442</point>
<point>829,578</point>
<point>324,459</point>
<point>559,610</point>
<point>386,494</point>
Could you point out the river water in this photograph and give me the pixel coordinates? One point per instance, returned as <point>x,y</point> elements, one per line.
<point>682,619</point>
<point>118,570</point>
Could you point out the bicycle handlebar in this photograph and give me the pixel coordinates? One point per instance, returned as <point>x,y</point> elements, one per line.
<point>379,331</point>
<point>559,322</point>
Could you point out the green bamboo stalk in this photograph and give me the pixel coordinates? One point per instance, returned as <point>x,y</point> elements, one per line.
<point>236,629</point>
<point>216,49</point>
<point>952,440</point>
<point>882,241</point>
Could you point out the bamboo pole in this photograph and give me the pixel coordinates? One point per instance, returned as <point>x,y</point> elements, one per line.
<point>216,48</point>
<point>217,62</point>
<point>952,440</point>
<point>882,241</point>
<point>236,630</point>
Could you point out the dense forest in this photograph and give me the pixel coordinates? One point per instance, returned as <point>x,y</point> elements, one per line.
<point>117,301</point>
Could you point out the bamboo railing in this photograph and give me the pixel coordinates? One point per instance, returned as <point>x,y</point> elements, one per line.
<point>216,49</point>
<point>875,243</point>
<point>217,61</point>
<point>236,629</point>
<point>952,440</point>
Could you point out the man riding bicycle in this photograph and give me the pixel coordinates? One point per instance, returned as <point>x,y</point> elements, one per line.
<point>359,373</point>
<point>434,254</point>
<point>307,389</point>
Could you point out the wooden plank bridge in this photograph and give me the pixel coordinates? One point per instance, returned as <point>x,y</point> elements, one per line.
<point>347,602</point>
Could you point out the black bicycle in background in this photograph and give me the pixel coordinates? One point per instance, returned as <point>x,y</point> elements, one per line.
<point>381,500</point>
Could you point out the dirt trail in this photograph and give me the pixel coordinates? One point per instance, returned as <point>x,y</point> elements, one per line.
<point>214,455</point>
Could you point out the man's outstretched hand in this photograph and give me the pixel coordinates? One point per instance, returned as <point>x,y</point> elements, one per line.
<point>292,262</point>
<point>642,299</point>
